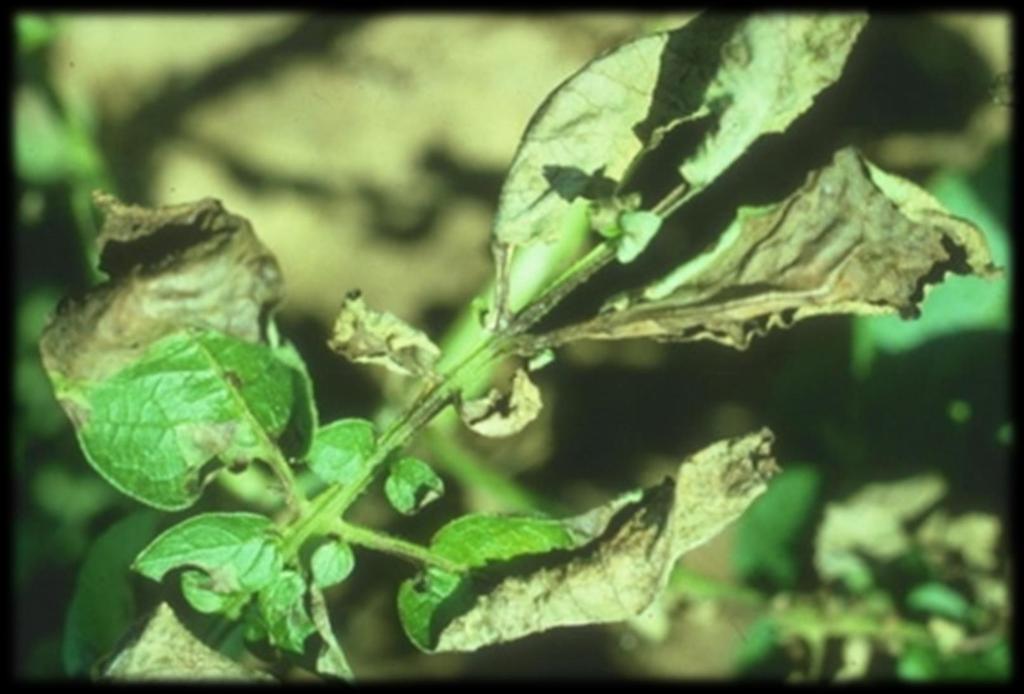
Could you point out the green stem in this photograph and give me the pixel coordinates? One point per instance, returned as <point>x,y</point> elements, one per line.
<point>382,542</point>
<point>332,503</point>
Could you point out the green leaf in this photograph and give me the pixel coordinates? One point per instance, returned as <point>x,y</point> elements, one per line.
<point>331,563</point>
<point>193,397</point>
<point>477,539</point>
<point>411,485</point>
<point>284,612</point>
<point>298,436</point>
<point>767,534</point>
<point>342,449</point>
<point>922,663</point>
<point>737,76</point>
<point>102,606</point>
<point>939,599</point>
<point>759,643</point>
<point>34,31</point>
<point>527,575</point>
<point>434,597</point>
<point>238,551</point>
<point>41,141</point>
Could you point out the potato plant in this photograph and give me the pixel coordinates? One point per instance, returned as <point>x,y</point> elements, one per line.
<point>175,375</point>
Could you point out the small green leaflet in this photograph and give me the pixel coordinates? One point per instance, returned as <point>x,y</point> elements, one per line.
<point>331,563</point>
<point>412,485</point>
<point>341,450</point>
<point>239,552</point>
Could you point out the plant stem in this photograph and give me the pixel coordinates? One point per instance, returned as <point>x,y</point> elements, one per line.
<point>382,542</point>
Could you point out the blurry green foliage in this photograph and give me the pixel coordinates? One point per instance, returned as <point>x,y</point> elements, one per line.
<point>769,533</point>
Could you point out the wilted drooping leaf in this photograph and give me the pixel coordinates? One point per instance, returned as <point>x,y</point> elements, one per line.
<point>871,524</point>
<point>364,335</point>
<point>739,76</point>
<point>239,554</point>
<point>852,239</point>
<point>497,415</point>
<point>161,369</point>
<point>528,575</point>
<point>411,485</point>
<point>166,651</point>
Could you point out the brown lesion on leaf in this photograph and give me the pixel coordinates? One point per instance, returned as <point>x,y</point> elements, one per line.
<point>623,553</point>
<point>174,267</point>
<point>851,240</point>
<point>500,414</point>
<point>365,335</point>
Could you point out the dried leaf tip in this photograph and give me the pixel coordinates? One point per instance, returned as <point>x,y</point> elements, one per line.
<point>364,335</point>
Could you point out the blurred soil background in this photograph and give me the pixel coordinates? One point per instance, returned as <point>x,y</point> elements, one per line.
<point>368,152</point>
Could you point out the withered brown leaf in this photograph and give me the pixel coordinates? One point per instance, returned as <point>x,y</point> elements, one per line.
<point>189,265</point>
<point>853,239</point>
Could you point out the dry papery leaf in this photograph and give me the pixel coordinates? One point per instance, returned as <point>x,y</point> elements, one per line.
<point>364,335</point>
<point>497,415</point>
<point>873,523</point>
<point>852,239</point>
<point>167,651</point>
<point>624,549</point>
<point>189,265</point>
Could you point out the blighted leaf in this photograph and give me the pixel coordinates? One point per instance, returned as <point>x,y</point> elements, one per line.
<point>856,659</point>
<point>364,335</point>
<point>193,397</point>
<point>166,651</point>
<point>739,76</point>
<point>284,611</point>
<point>411,485</point>
<point>331,563</point>
<point>852,239</point>
<point>974,536</point>
<point>331,661</point>
<point>872,524</point>
<point>160,368</point>
<point>603,566</point>
<point>498,415</point>
<point>342,449</point>
<point>238,551</point>
<point>751,75</point>
<point>192,265</point>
